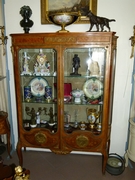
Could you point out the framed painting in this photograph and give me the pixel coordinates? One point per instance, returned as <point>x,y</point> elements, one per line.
<point>67,6</point>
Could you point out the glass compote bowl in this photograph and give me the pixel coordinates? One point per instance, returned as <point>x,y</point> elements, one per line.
<point>63,19</point>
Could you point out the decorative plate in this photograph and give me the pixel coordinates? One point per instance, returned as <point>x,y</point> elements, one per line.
<point>38,86</point>
<point>93,88</point>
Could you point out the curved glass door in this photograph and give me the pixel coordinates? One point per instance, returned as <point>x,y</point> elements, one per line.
<point>84,70</point>
<point>38,78</point>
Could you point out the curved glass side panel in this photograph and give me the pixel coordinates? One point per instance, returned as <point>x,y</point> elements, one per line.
<point>112,84</point>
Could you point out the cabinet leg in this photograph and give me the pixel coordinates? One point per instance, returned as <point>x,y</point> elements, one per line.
<point>108,147</point>
<point>19,153</point>
<point>104,161</point>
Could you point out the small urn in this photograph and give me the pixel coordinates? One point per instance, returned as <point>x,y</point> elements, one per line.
<point>77,94</point>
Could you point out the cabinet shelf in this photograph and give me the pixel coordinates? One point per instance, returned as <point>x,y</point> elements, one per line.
<point>65,103</point>
<point>70,129</point>
<point>84,76</point>
<point>37,76</point>
<point>68,76</point>
<point>38,102</point>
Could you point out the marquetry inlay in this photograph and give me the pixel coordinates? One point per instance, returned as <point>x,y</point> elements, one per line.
<point>61,39</point>
<point>29,40</point>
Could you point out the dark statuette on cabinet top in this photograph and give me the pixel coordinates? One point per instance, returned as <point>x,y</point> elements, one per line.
<point>98,21</point>
<point>26,23</point>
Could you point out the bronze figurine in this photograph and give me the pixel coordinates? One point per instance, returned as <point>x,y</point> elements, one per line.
<point>51,114</point>
<point>76,65</point>
<point>98,21</point>
<point>26,23</point>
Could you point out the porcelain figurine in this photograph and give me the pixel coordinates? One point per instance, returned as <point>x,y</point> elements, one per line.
<point>26,70</point>
<point>94,68</point>
<point>42,65</point>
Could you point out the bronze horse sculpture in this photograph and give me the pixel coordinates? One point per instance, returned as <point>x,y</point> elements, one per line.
<point>98,21</point>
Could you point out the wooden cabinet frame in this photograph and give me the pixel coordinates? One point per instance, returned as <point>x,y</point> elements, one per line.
<point>61,142</point>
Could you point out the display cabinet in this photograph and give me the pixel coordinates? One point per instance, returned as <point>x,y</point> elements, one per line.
<point>64,91</point>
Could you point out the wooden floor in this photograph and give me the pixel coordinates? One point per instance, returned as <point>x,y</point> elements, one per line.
<point>49,166</point>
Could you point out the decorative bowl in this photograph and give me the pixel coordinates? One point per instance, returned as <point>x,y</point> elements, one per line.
<point>63,19</point>
<point>33,125</point>
<point>52,124</point>
<point>77,94</point>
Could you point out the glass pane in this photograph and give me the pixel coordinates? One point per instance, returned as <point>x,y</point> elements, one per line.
<point>38,75</point>
<point>84,70</point>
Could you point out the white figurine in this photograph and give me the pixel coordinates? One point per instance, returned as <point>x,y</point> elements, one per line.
<point>26,70</point>
<point>94,68</point>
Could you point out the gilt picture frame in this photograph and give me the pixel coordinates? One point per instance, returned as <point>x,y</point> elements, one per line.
<point>67,5</point>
